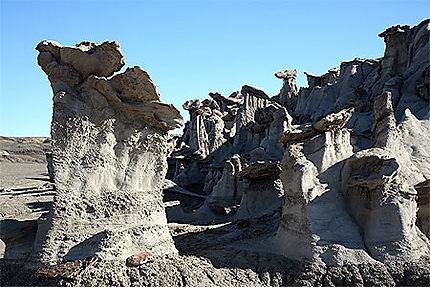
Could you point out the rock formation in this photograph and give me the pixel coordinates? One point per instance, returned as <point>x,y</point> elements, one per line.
<point>315,224</point>
<point>109,138</point>
<point>350,162</point>
<point>289,92</point>
<point>323,185</point>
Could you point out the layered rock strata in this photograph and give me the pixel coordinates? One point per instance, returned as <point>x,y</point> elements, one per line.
<point>322,185</point>
<point>350,208</point>
<point>252,122</point>
<point>109,138</point>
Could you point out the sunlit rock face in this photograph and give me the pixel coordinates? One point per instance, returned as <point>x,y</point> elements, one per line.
<point>109,140</point>
<point>343,207</point>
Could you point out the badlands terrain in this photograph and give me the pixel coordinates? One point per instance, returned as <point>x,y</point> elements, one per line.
<point>324,185</point>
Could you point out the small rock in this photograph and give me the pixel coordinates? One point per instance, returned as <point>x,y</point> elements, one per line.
<point>139,259</point>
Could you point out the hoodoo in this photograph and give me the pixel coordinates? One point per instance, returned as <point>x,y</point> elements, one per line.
<point>109,135</point>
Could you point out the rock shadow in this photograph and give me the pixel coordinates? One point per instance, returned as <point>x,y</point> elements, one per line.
<point>88,247</point>
<point>239,244</point>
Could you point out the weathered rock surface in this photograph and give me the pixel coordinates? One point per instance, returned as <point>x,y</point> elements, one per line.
<point>322,185</point>
<point>288,95</point>
<point>109,157</point>
<point>315,224</point>
<point>369,217</point>
<point>353,154</point>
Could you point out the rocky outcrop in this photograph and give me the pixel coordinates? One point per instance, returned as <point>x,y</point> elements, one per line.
<point>315,224</point>
<point>248,134</point>
<point>226,194</point>
<point>403,71</point>
<point>288,95</point>
<point>349,208</point>
<point>262,189</point>
<point>318,81</point>
<point>322,185</point>
<point>223,135</point>
<point>109,138</point>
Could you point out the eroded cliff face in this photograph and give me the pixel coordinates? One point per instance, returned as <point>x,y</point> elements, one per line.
<point>350,151</point>
<point>323,185</point>
<point>350,208</point>
<point>109,138</point>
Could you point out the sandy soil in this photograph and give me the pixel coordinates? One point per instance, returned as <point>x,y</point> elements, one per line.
<point>25,190</point>
<point>21,175</point>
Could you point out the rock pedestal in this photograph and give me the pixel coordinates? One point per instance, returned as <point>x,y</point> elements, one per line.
<point>109,138</point>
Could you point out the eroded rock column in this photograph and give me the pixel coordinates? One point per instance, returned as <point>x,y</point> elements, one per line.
<point>109,139</point>
<point>315,224</point>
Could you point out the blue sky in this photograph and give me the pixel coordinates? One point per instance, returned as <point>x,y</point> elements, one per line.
<point>189,48</point>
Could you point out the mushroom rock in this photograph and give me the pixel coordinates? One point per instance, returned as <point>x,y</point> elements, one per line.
<point>350,208</point>
<point>289,92</point>
<point>228,105</point>
<point>315,224</point>
<point>334,121</point>
<point>383,205</point>
<point>204,133</point>
<point>109,139</point>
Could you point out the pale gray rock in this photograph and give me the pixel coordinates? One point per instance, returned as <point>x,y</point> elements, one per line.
<point>262,189</point>
<point>403,71</point>
<point>205,131</point>
<point>260,196</point>
<point>280,122</point>
<point>228,190</point>
<point>415,143</point>
<point>254,99</point>
<point>315,224</point>
<point>378,188</point>
<point>384,130</point>
<point>318,81</point>
<point>109,141</point>
<point>2,249</point>
<point>384,206</point>
<point>289,92</point>
<point>350,208</point>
